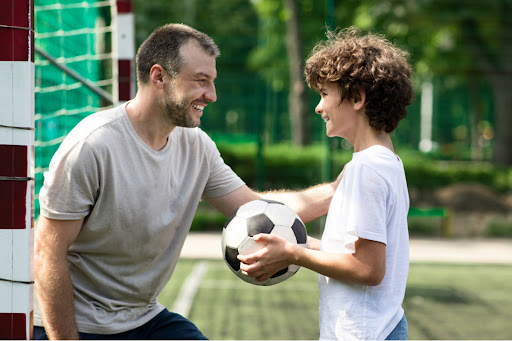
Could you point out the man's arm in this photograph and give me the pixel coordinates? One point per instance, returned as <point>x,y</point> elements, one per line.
<point>309,204</point>
<point>227,204</point>
<point>53,286</point>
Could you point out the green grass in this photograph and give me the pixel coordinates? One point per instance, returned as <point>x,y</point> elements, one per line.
<point>443,302</point>
<point>446,301</point>
<point>172,289</point>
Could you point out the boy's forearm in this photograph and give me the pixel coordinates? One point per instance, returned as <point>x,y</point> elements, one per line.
<point>313,243</point>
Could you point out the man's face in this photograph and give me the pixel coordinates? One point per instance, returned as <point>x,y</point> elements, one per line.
<point>193,88</point>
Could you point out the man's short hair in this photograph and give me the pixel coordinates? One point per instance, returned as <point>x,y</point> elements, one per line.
<point>163,47</point>
<point>367,63</point>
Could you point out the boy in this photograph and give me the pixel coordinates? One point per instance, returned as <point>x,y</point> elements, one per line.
<point>363,257</point>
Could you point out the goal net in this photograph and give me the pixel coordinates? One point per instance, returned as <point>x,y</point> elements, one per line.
<point>75,71</point>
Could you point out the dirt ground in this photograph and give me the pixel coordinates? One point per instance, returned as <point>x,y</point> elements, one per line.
<point>472,207</point>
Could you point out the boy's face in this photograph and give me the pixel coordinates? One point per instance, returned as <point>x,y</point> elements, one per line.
<point>340,118</point>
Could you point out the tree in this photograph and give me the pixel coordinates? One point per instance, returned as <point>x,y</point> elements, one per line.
<point>495,62</point>
<point>279,57</point>
<point>297,98</point>
<point>465,39</point>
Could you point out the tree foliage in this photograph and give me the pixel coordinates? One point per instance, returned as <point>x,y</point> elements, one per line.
<point>465,42</point>
<point>463,46</point>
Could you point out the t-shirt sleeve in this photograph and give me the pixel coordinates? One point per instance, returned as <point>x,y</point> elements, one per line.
<point>222,179</point>
<point>365,200</point>
<point>71,184</point>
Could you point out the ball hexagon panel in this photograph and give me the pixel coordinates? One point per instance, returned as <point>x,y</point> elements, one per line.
<point>235,231</point>
<point>259,223</point>
<point>249,246</point>
<point>280,216</point>
<point>280,273</point>
<point>284,232</point>
<point>252,208</point>
<point>300,232</point>
<point>230,255</point>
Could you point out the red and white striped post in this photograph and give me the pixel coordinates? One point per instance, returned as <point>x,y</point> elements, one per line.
<point>16,167</point>
<point>126,50</point>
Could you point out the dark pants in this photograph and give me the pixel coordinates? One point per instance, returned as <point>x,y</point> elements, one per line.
<point>164,326</point>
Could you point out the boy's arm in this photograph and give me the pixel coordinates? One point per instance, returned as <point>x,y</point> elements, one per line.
<point>367,266</point>
<point>313,243</point>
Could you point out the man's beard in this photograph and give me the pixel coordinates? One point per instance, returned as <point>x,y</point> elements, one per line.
<point>178,111</point>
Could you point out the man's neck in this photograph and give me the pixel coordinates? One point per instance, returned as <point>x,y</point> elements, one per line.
<point>148,122</point>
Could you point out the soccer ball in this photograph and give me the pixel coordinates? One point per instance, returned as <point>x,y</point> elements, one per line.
<point>260,216</point>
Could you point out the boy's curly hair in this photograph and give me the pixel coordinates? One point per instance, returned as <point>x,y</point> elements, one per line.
<point>367,63</point>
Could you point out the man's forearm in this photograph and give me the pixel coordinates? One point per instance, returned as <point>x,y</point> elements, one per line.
<point>53,287</point>
<point>54,294</point>
<point>309,204</point>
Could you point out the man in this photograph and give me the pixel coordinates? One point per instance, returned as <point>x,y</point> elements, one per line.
<point>121,193</point>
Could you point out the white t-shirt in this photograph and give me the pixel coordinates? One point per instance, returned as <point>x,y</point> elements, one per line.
<point>138,206</point>
<point>371,202</point>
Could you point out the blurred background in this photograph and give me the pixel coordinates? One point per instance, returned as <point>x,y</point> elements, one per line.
<point>455,142</point>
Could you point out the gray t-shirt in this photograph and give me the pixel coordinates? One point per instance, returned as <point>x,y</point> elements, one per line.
<point>138,205</point>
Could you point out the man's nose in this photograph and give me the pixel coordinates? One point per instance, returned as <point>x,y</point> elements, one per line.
<point>211,94</point>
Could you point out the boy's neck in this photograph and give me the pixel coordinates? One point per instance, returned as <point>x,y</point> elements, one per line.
<point>373,138</point>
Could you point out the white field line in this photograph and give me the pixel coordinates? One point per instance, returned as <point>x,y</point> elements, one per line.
<point>189,289</point>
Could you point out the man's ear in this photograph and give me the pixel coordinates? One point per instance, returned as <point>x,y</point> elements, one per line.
<point>359,102</point>
<point>157,75</point>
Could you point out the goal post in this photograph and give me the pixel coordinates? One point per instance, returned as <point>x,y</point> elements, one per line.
<point>16,168</point>
<point>58,64</point>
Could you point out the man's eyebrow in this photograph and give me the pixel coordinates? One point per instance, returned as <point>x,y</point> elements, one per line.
<point>205,75</point>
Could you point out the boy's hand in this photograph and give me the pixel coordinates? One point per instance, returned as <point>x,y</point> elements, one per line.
<point>264,263</point>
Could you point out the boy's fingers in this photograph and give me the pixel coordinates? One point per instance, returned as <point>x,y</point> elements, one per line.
<point>262,237</point>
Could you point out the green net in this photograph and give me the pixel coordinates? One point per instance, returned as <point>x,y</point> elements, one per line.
<point>76,34</point>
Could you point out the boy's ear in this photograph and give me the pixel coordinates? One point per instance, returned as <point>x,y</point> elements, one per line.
<point>359,101</point>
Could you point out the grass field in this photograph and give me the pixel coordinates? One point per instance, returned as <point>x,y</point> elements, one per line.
<point>443,302</point>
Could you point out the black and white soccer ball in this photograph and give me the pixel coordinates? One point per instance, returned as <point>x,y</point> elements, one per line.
<point>260,216</point>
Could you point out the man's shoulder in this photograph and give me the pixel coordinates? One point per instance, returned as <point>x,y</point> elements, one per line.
<point>94,123</point>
